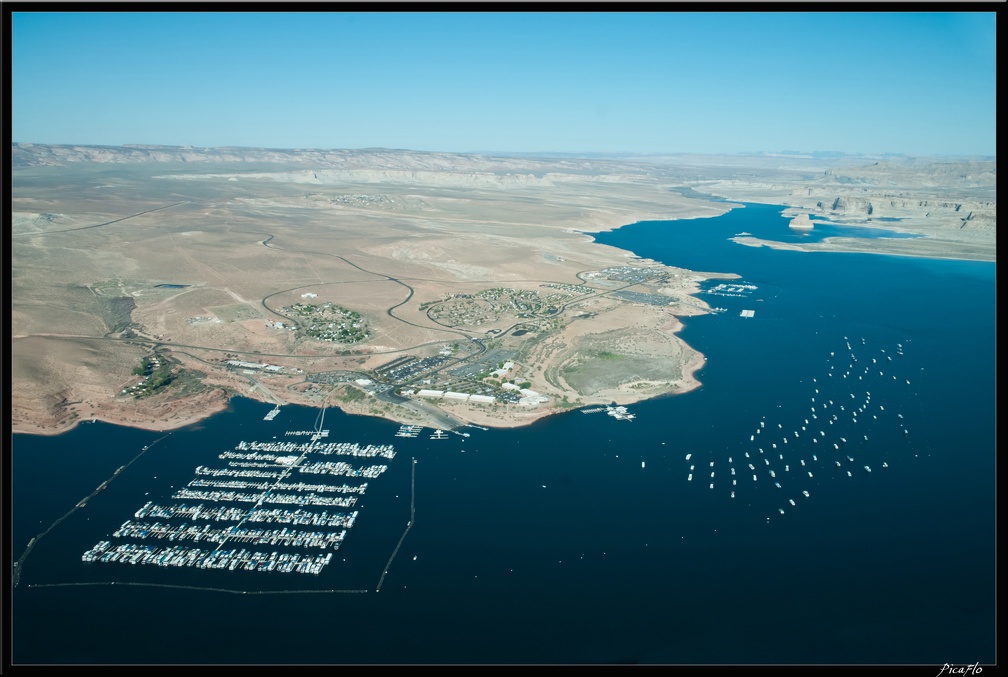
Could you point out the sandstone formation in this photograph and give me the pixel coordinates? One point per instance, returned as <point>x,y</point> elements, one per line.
<point>801,222</point>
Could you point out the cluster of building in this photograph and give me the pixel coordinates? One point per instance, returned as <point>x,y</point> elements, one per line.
<point>252,367</point>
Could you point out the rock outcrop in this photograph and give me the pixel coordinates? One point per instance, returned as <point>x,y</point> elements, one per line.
<point>801,222</point>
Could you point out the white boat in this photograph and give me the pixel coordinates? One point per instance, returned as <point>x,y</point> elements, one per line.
<point>711,485</point>
<point>690,478</point>
<point>781,510</point>
<point>791,501</point>
<point>885,465</point>
<point>733,494</point>
<point>806,494</point>
<point>848,474</point>
<point>777,484</point>
<point>867,468</point>
<point>688,456</point>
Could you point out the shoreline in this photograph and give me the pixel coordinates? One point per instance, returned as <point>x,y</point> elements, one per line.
<point>188,411</point>
<point>922,248</point>
<point>503,416</point>
<point>183,412</point>
<point>72,391</point>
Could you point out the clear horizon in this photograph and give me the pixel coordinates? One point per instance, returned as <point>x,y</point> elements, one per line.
<point>590,83</point>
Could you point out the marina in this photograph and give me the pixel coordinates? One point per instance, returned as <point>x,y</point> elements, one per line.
<point>232,503</point>
<point>408,431</point>
<point>619,413</point>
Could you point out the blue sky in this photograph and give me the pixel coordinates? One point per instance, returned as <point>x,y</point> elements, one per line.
<point>919,83</point>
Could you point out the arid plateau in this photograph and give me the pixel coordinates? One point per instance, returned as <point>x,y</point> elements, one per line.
<point>151,284</point>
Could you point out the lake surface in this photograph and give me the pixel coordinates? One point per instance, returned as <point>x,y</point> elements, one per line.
<point>583,539</point>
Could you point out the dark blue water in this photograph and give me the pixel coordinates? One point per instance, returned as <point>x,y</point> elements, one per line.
<point>552,544</point>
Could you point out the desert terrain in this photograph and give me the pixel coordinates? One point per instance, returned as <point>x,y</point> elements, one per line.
<point>150,285</point>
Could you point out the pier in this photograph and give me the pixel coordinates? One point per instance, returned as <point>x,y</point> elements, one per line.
<point>259,494</point>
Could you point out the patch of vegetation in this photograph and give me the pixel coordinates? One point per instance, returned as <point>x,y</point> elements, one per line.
<point>187,382</point>
<point>349,394</point>
<point>330,322</point>
<point>157,373</point>
<point>116,312</point>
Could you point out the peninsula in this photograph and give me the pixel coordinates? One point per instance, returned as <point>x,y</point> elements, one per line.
<point>151,284</point>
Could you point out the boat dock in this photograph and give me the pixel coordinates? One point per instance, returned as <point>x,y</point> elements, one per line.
<point>408,431</point>
<point>263,506</point>
<point>619,413</point>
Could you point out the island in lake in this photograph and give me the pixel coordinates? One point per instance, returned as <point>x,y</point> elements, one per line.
<point>151,284</point>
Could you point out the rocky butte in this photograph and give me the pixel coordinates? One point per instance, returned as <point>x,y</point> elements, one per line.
<point>801,222</point>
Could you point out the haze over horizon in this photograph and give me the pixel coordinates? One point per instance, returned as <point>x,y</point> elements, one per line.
<point>627,83</point>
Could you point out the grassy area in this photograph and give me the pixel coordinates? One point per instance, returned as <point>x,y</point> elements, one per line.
<point>349,394</point>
